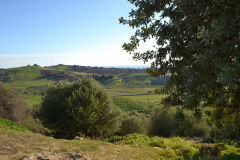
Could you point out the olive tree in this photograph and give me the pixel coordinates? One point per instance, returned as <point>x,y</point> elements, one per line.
<point>79,108</point>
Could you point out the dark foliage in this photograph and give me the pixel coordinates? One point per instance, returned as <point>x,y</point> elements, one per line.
<point>175,122</point>
<point>226,128</point>
<point>79,108</point>
<point>197,42</point>
<point>57,76</point>
<point>102,70</point>
<point>133,122</point>
<point>104,79</point>
<point>4,75</point>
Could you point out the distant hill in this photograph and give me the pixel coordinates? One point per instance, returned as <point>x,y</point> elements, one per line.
<point>98,70</point>
<point>35,75</point>
<point>32,81</point>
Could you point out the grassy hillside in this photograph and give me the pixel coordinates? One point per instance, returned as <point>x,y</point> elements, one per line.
<point>32,81</point>
<point>16,143</point>
<point>23,77</point>
<point>140,103</point>
<point>35,75</point>
<point>130,90</point>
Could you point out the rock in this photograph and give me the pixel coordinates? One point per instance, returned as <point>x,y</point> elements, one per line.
<point>55,156</point>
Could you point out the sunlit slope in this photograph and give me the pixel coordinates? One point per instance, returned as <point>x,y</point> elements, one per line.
<point>32,81</point>
<point>29,76</point>
<point>17,142</point>
<point>24,77</point>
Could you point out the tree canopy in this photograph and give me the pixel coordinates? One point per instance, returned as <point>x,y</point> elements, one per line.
<point>197,43</point>
<point>79,108</point>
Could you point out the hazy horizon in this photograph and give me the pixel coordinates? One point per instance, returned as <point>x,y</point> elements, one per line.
<point>64,32</point>
<point>116,66</point>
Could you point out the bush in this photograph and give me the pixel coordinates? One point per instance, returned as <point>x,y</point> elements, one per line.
<point>11,106</point>
<point>226,128</point>
<point>162,122</point>
<point>79,108</point>
<point>114,139</point>
<point>176,122</point>
<point>231,156</point>
<point>136,139</point>
<point>188,125</point>
<point>132,123</point>
<point>171,148</point>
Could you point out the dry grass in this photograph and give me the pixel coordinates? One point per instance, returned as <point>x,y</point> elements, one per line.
<point>16,145</point>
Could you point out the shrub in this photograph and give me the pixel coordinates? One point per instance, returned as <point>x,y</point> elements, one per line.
<point>198,129</point>
<point>11,106</point>
<point>157,142</point>
<point>162,122</point>
<point>114,139</point>
<point>226,128</point>
<point>179,148</point>
<point>208,151</point>
<point>176,122</point>
<point>186,124</point>
<point>79,108</point>
<point>136,139</point>
<point>171,148</point>
<point>231,156</point>
<point>132,123</point>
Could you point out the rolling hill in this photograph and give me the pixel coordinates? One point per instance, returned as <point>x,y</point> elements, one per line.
<point>32,81</point>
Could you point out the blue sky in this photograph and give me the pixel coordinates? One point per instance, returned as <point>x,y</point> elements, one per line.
<point>49,32</point>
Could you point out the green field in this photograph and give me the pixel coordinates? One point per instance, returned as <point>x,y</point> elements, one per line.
<point>127,103</point>
<point>129,90</point>
<point>35,76</point>
<point>140,103</point>
<point>31,100</point>
<point>124,89</point>
<point>31,84</point>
